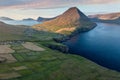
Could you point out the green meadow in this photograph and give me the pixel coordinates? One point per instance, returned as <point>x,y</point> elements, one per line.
<point>53,65</point>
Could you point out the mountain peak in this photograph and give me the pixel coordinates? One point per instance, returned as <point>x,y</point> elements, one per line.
<point>69,21</point>
<point>73,8</point>
<point>74,13</point>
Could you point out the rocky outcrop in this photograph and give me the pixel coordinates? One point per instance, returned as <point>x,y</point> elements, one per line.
<point>58,46</point>
<point>2,59</point>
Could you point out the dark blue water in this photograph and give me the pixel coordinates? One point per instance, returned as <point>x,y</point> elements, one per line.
<point>101,45</point>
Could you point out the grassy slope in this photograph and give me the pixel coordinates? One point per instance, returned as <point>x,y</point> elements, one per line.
<point>54,65</point>
<point>10,32</point>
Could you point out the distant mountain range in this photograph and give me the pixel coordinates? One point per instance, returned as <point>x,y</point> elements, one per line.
<point>72,21</point>
<point>107,18</point>
<point>5,18</point>
<point>28,19</point>
<point>41,19</point>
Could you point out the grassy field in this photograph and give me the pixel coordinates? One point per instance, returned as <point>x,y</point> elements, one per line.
<point>53,65</point>
<point>49,64</point>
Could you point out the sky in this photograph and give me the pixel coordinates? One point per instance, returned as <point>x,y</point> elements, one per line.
<point>19,9</point>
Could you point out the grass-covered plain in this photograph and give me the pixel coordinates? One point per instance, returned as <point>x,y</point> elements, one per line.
<point>54,65</point>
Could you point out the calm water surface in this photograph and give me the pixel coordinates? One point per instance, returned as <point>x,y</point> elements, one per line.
<point>101,45</point>
<point>21,22</point>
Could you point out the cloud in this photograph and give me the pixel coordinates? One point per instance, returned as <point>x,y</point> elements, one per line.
<point>27,4</point>
<point>101,1</point>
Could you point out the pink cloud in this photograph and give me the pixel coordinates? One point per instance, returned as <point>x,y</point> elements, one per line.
<point>26,4</point>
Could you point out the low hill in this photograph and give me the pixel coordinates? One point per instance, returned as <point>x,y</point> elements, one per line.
<point>28,19</point>
<point>107,18</point>
<point>5,18</point>
<point>110,16</point>
<point>73,20</point>
<point>10,32</point>
<point>41,19</point>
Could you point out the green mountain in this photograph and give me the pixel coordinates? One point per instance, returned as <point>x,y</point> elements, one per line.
<point>73,20</point>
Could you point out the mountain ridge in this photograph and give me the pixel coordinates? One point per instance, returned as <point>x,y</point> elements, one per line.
<point>42,19</point>
<point>72,19</point>
<point>106,18</point>
<point>6,18</point>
